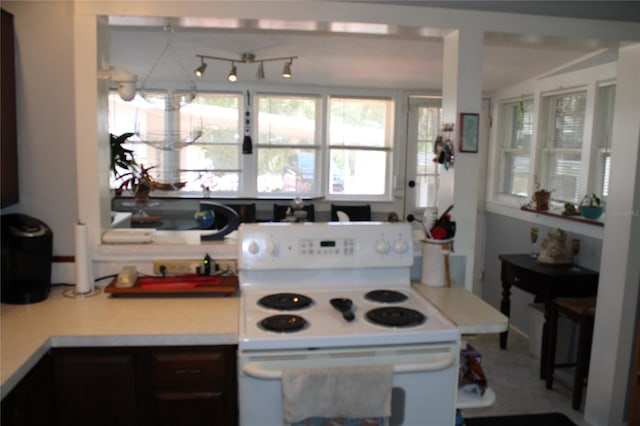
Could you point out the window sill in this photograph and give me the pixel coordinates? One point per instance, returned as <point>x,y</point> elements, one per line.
<point>550,219</point>
<point>576,218</point>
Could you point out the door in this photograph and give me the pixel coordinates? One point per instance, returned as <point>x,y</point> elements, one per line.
<point>422,173</point>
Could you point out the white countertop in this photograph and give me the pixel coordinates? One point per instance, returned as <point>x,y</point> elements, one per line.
<point>28,331</point>
<point>471,314</point>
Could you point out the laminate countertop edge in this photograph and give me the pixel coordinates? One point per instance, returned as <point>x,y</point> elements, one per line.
<point>29,331</point>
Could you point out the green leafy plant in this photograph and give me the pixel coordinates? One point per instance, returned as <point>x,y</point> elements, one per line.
<point>121,157</point>
<point>133,176</point>
<point>591,201</point>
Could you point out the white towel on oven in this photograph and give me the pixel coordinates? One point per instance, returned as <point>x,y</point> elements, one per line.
<point>349,392</point>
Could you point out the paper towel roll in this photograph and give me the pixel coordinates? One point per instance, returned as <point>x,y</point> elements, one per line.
<point>84,270</point>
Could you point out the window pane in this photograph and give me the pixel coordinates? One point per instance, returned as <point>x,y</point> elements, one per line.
<point>522,124</point>
<point>515,172</point>
<point>359,122</point>
<point>516,131</point>
<point>286,170</point>
<point>568,120</point>
<point>361,171</point>
<point>287,120</point>
<point>426,189</point>
<point>219,116</point>
<point>563,176</point>
<point>197,144</point>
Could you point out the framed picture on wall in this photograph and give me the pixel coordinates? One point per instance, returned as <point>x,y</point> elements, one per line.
<point>469,130</point>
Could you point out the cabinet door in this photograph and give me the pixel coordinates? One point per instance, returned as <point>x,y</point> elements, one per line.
<point>96,387</point>
<point>194,386</point>
<point>32,402</point>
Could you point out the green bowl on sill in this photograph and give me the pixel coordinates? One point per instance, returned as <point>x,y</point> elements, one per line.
<point>590,212</point>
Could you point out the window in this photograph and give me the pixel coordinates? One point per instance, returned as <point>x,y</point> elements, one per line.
<point>288,143</point>
<point>515,147</point>
<point>603,123</point>
<point>429,118</point>
<point>198,144</point>
<point>561,159</point>
<point>360,146</point>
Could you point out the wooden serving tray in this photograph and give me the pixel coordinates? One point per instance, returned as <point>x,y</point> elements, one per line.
<point>180,284</point>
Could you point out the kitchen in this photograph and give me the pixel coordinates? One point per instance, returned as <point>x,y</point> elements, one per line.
<point>41,198</point>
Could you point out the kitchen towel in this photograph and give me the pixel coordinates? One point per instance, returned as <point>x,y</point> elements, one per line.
<point>84,272</point>
<point>360,392</point>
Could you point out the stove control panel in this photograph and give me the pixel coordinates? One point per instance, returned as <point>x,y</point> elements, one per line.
<point>324,245</point>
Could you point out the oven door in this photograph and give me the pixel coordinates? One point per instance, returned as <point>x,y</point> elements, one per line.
<point>425,380</point>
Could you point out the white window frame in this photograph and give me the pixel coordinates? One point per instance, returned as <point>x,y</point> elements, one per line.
<point>602,133</point>
<point>316,146</point>
<point>387,149</point>
<point>505,142</point>
<point>547,151</point>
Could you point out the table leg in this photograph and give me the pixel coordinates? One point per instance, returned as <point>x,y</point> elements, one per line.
<point>544,345</point>
<point>505,308</point>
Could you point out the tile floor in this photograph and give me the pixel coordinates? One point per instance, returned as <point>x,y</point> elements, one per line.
<point>513,374</point>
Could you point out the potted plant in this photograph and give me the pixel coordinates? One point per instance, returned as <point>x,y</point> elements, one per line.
<point>135,177</point>
<point>591,207</point>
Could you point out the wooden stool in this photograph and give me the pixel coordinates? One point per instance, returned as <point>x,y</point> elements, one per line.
<point>582,310</point>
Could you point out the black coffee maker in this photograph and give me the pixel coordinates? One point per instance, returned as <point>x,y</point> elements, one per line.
<point>27,247</point>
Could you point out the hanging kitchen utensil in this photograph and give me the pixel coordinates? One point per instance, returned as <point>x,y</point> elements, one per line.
<point>247,143</point>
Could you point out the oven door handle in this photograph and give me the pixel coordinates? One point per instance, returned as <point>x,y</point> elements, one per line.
<point>439,363</point>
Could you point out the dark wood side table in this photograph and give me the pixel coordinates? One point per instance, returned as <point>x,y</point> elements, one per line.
<point>545,282</point>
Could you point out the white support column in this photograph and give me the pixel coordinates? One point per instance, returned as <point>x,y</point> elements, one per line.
<point>462,92</point>
<point>610,371</point>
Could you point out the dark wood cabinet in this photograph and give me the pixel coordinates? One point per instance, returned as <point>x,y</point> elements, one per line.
<point>9,129</point>
<point>191,386</point>
<point>33,401</point>
<point>155,386</point>
<point>96,386</point>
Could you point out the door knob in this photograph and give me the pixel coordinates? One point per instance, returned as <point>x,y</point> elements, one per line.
<point>412,183</point>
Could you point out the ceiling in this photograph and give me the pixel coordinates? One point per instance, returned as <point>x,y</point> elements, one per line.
<point>355,56</point>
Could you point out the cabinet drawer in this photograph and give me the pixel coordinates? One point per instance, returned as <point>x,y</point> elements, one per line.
<point>192,369</point>
<point>519,277</point>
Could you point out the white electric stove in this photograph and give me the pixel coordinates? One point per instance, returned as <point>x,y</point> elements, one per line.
<point>339,294</point>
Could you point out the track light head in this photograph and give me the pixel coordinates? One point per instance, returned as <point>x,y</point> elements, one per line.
<point>260,73</point>
<point>199,72</point>
<point>286,72</point>
<point>233,74</point>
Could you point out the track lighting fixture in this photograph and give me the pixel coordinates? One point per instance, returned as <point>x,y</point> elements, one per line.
<point>260,73</point>
<point>286,72</point>
<point>200,70</point>
<point>246,58</point>
<point>233,74</point>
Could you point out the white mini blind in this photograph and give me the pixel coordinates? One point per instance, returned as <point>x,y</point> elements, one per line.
<point>562,152</point>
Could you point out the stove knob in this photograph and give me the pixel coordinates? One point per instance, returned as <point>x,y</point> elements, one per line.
<point>253,247</point>
<point>382,246</point>
<point>273,248</point>
<point>400,246</point>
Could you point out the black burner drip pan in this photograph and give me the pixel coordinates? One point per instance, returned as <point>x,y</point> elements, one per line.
<point>386,296</point>
<point>395,317</point>
<point>283,323</point>
<point>285,301</point>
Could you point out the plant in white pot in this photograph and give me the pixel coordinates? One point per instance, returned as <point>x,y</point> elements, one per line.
<point>591,207</point>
